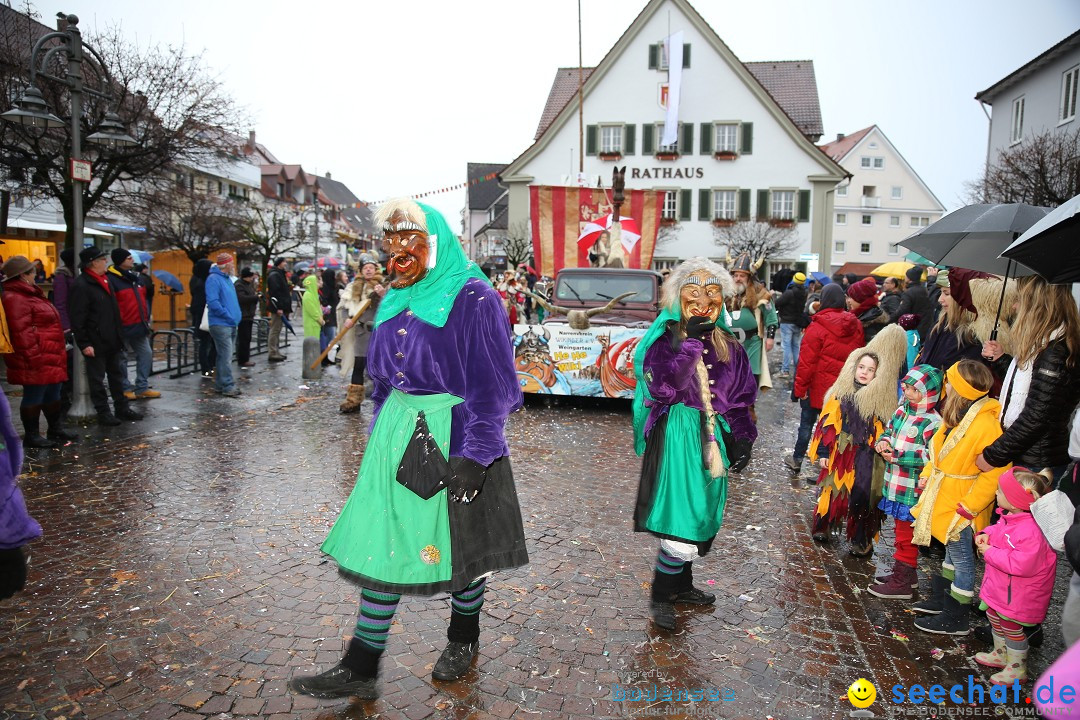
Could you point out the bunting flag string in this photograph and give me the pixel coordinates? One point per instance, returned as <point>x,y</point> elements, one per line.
<point>440,191</point>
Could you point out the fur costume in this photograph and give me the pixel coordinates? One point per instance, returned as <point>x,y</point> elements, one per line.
<point>851,421</point>
<point>351,298</point>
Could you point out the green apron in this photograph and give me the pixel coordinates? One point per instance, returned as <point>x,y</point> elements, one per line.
<point>386,531</point>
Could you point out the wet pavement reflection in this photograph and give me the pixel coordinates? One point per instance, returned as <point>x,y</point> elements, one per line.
<point>180,577</point>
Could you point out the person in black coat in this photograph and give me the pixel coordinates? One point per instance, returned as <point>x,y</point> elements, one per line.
<point>206,350</point>
<point>790,311</point>
<point>916,301</point>
<point>279,306</point>
<point>1042,382</point>
<point>329,296</point>
<point>247,294</point>
<point>95,325</point>
<point>890,301</point>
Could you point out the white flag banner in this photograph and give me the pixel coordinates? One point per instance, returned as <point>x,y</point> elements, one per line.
<point>674,47</point>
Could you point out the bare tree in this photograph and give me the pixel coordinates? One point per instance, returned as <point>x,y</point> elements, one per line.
<point>518,244</point>
<point>165,98</point>
<point>179,217</point>
<point>758,238</point>
<point>1043,169</point>
<point>270,233</point>
<point>668,233</point>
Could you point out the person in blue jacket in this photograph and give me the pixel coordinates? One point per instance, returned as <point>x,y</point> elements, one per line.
<point>224,317</point>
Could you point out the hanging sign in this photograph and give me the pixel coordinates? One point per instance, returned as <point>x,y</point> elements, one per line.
<point>80,170</point>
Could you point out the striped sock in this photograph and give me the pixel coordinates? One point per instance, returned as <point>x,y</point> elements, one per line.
<point>1012,631</point>
<point>373,624</point>
<point>471,599</point>
<point>668,564</point>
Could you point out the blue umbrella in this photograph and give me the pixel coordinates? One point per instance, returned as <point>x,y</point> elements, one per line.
<point>288,325</point>
<point>820,277</point>
<point>169,279</point>
<point>141,256</point>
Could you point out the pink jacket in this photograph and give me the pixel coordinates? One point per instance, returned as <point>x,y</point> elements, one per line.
<point>1020,568</point>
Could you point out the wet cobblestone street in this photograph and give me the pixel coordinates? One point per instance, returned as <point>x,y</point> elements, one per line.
<point>179,577</point>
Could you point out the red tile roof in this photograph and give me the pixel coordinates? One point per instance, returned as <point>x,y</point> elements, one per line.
<point>837,149</point>
<point>793,85</point>
<point>564,88</point>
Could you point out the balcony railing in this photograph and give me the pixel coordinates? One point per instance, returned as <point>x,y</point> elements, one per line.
<point>871,202</point>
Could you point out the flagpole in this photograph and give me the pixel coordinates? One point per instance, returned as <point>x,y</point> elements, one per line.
<point>580,103</point>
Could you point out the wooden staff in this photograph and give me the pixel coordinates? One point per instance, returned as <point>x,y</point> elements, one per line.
<point>341,334</point>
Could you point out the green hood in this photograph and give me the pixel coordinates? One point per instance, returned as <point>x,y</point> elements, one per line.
<point>433,297</point>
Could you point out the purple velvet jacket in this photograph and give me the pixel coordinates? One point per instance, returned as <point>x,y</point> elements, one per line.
<point>470,357</point>
<point>672,379</point>
<point>16,526</point>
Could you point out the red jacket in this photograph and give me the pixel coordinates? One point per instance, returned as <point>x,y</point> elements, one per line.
<point>130,296</point>
<point>40,357</point>
<point>832,336</point>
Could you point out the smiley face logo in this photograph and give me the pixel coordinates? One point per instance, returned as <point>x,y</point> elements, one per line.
<point>862,693</point>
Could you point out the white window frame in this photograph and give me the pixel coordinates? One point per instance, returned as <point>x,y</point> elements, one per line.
<point>879,163</point>
<point>841,190</point>
<point>925,221</point>
<point>671,198</point>
<point>841,218</point>
<point>839,247</point>
<point>865,162</point>
<point>915,221</point>
<point>730,132</point>
<point>897,192</point>
<point>1067,106</point>
<point>725,204</point>
<point>782,204</point>
<point>662,55</point>
<point>864,245</point>
<point>1016,121</point>
<point>894,249</point>
<point>894,221</point>
<point>865,218</point>
<point>673,149</point>
<point>608,132</point>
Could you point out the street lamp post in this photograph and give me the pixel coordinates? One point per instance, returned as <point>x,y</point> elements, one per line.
<point>32,113</point>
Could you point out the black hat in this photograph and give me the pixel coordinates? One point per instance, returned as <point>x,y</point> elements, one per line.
<point>278,261</point>
<point>90,254</point>
<point>246,272</point>
<point>67,255</point>
<point>914,274</point>
<point>119,255</point>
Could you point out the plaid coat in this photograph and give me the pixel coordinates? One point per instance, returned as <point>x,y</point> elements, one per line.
<point>908,434</point>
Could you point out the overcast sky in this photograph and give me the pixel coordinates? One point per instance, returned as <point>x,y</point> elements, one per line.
<point>394,97</point>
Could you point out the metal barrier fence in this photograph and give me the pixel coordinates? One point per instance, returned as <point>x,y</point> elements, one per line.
<point>179,348</point>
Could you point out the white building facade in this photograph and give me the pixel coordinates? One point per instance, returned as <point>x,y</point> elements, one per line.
<point>739,155</point>
<point>882,203</point>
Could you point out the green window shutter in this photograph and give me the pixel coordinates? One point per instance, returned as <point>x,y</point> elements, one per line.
<point>747,139</point>
<point>686,55</point>
<point>686,143</point>
<point>804,206</point>
<point>744,204</point>
<point>763,205</point>
<point>647,131</point>
<point>590,139</point>
<point>706,138</point>
<point>685,198</point>
<point>629,141</point>
<point>654,56</point>
<point>704,201</point>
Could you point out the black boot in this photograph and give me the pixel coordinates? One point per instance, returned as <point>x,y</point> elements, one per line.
<point>462,645</point>
<point>124,412</point>
<point>661,608</point>
<point>934,604</point>
<point>687,593</point>
<point>354,676</point>
<point>31,415</point>
<point>953,619</point>
<point>54,415</point>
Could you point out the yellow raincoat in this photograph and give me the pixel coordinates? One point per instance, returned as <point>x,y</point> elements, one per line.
<point>952,477</point>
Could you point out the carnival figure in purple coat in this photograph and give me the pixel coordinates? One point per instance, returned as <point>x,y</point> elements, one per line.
<point>692,422</point>
<point>434,508</point>
<point>17,528</point>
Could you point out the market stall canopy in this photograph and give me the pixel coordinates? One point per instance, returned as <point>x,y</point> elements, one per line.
<point>51,227</point>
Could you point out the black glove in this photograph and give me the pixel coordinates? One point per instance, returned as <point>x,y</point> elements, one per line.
<point>698,327</point>
<point>739,454</point>
<point>793,398</point>
<point>12,572</point>
<point>466,479</point>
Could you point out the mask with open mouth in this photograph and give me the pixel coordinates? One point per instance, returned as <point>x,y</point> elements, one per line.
<point>701,295</point>
<point>408,256</point>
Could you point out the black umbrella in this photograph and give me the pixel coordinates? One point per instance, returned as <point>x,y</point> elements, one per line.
<point>1050,246</point>
<point>974,236</point>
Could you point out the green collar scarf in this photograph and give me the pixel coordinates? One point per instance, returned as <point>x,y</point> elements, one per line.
<point>433,297</point>
<point>643,400</point>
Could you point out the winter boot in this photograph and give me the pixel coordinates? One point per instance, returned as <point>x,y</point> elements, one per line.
<point>353,399</point>
<point>30,415</point>
<point>687,593</point>
<point>1015,667</point>
<point>897,585</point>
<point>55,417</point>
<point>661,608</point>
<point>795,466</point>
<point>455,660</point>
<point>354,676</point>
<point>952,620</point>
<point>936,602</point>
<point>884,578</point>
<point>996,657</point>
